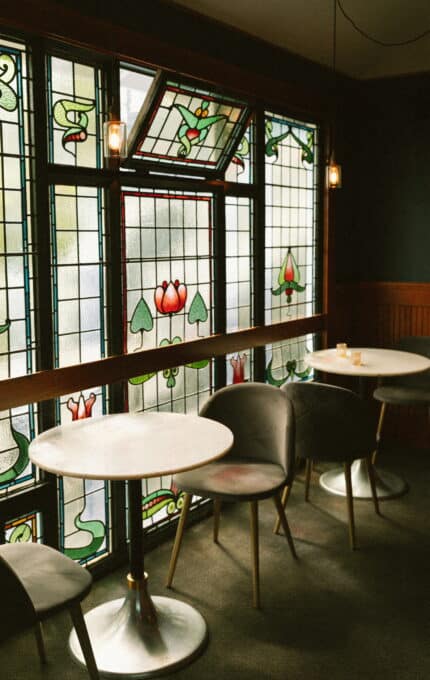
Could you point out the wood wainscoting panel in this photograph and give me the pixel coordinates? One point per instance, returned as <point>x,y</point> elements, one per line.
<point>378,314</point>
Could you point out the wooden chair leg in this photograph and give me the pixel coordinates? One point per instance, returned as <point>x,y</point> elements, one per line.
<point>38,633</point>
<point>350,507</point>
<point>379,430</point>
<point>255,555</point>
<point>283,519</point>
<point>308,478</point>
<point>371,473</point>
<point>178,538</point>
<point>84,640</point>
<point>217,513</point>
<point>285,496</point>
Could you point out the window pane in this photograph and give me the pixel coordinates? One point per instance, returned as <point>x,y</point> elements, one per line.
<point>285,360</point>
<point>291,285</point>
<point>79,336</point>
<point>17,344</point>
<point>74,112</point>
<point>241,166</point>
<point>168,298</point>
<point>239,281</point>
<point>189,127</point>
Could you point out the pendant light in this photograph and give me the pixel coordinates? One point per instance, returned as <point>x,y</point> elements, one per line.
<point>334,170</point>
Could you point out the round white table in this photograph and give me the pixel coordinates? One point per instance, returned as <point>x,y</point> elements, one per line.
<point>375,363</point>
<point>138,635</point>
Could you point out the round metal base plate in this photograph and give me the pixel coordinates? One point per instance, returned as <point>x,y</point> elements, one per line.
<point>123,645</point>
<point>388,485</point>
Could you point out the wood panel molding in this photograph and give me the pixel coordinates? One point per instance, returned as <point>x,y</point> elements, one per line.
<point>377,314</point>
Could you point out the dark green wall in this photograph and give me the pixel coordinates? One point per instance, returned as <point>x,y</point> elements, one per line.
<point>383,211</point>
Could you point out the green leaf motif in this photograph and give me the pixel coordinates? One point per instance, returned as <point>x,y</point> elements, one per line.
<point>8,98</point>
<point>142,318</point>
<point>198,364</point>
<point>4,326</point>
<point>198,310</point>
<point>21,462</point>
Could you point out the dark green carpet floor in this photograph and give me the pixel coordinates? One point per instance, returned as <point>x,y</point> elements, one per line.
<point>331,615</point>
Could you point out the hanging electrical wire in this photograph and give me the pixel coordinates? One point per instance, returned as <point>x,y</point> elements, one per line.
<point>382,43</point>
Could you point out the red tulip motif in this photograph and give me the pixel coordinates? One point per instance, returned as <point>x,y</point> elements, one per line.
<point>82,408</point>
<point>170,297</point>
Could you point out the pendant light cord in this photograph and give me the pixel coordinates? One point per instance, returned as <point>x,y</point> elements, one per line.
<point>381,43</point>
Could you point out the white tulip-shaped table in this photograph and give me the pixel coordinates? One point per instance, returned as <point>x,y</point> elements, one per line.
<point>138,635</point>
<point>375,363</point>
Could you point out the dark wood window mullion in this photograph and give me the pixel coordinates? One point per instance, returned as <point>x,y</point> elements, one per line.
<point>219,282</point>
<point>114,258</point>
<point>42,270</point>
<point>259,240</point>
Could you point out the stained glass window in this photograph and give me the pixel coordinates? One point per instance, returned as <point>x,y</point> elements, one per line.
<point>187,126</point>
<point>74,112</point>
<point>239,277</point>
<point>285,360</point>
<point>241,166</point>
<point>291,287</point>
<point>79,336</point>
<point>168,298</point>
<point>24,529</point>
<point>17,426</point>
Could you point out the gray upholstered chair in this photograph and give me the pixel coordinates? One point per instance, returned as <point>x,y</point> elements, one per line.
<point>258,466</point>
<point>38,581</point>
<point>406,390</point>
<point>334,425</point>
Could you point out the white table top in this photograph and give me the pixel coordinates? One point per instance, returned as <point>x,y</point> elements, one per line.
<point>130,445</point>
<point>374,362</point>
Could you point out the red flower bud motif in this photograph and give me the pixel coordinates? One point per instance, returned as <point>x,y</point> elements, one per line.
<point>170,298</point>
<point>238,364</point>
<point>82,408</point>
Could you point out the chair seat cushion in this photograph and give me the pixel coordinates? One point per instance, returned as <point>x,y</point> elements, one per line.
<point>403,395</point>
<point>51,579</point>
<point>237,478</point>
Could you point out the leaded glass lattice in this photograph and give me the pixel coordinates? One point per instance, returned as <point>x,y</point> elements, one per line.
<point>189,127</point>
<point>79,336</point>
<point>17,426</point>
<point>241,166</point>
<point>285,360</point>
<point>239,277</point>
<point>291,285</point>
<point>74,112</point>
<point>24,529</point>
<point>168,297</point>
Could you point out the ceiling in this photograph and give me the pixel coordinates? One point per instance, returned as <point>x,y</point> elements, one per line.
<point>305,27</point>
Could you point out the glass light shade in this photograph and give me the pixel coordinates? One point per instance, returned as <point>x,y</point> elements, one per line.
<point>334,175</point>
<point>115,139</point>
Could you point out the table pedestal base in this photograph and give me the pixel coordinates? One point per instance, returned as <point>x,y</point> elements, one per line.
<point>388,485</point>
<point>125,645</point>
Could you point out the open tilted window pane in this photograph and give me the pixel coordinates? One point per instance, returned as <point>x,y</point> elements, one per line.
<point>17,344</point>
<point>187,127</point>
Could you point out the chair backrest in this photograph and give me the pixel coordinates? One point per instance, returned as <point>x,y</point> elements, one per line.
<point>332,423</point>
<point>261,419</point>
<point>417,345</point>
<point>16,609</point>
